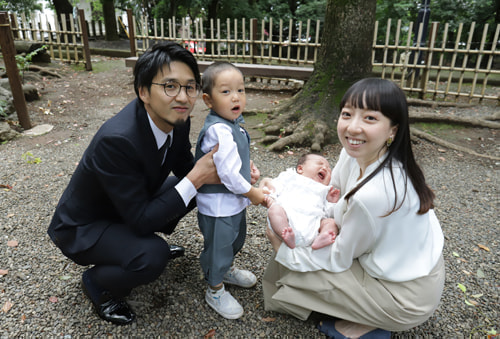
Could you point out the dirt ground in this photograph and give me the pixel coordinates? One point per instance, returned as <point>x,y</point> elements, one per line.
<point>81,96</point>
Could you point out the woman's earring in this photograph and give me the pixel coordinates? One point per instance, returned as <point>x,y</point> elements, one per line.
<point>389,142</point>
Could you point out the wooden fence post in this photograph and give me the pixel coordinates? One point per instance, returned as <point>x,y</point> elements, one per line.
<point>253,38</point>
<point>13,21</point>
<point>9,56</point>
<point>131,32</point>
<point>85,40</point>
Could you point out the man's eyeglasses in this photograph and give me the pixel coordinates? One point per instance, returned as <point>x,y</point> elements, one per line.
<point>172,88</point>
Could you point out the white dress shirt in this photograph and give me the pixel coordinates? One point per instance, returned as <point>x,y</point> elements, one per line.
<point>228,164</point>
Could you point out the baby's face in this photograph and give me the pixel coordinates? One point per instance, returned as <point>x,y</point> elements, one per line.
<point>317,168</point>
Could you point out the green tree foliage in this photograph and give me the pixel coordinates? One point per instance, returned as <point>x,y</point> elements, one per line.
<point>20,6</point>
<point>453,12</point>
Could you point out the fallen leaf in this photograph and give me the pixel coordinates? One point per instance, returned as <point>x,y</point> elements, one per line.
<point>12,243</point>
<point>53,299</point>
<point>4,272</point>
<point>65,277</point>
<point>466,272</point>
<point>7,306</point>
<point>455,254</point>
<point>480,273</point>
<point>9,187</point>
<point>268,319</point>
<point>473,302</point>
<point>210,334</point>
<point>483,247</point>
<point>477,296</point>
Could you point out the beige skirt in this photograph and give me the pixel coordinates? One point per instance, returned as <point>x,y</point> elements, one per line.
<point>353,295</point>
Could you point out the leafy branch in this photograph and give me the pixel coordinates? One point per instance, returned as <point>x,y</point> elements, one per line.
<point>23,62</point>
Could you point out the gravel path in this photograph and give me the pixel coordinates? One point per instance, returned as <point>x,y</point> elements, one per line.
<point>40,295</point>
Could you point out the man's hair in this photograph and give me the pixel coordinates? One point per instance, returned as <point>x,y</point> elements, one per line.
<point>210,74</point>
<point>160,54</point>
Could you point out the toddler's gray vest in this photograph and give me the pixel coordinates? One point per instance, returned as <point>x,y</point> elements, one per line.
<point>242,140</point>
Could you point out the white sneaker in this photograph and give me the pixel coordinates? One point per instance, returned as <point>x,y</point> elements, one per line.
<point>224,303</point>
<point>242,278</point>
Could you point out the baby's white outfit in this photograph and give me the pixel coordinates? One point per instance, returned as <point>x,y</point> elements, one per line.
<point>305,204</point>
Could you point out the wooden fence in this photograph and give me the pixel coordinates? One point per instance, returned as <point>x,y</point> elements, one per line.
<point>244,41</point>
<point>66,40</point>
<point>430,67</point>
<point>439,68</point>
<point>445,65</point>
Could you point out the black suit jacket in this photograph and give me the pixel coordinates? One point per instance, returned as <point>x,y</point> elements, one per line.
<point>117,182</point>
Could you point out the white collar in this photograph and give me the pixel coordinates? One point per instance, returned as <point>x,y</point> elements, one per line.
<point>160,136</point>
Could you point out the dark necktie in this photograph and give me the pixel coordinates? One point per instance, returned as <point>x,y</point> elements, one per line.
<point>163,149</point>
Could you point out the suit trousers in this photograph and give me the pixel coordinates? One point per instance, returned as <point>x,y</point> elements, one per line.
<point>123,259</point>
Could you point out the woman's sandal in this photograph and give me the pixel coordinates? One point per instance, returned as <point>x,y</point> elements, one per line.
<point>327,327</point>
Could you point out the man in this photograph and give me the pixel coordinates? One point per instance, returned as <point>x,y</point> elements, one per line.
<point>119,195</point>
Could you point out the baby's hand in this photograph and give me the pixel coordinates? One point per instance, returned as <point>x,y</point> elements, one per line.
<point>268,201</point>
<point>333,195</point>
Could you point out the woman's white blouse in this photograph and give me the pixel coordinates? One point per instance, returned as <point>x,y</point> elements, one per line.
<point>400,247</point>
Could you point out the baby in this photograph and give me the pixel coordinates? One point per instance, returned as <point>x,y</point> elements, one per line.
<point>299,201</point>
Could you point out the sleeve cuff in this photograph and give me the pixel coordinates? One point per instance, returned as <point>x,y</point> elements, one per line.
<point>186,190</point>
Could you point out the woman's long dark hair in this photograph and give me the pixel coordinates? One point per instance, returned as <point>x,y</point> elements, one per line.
<point>386,97</point>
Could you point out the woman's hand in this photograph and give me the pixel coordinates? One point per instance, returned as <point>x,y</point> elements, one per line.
<point>254,173</point>
<point>268,184</point>
<point>273,238</point>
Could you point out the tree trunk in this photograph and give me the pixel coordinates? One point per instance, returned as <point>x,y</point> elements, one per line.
<point>62,7</point>
<point>344,57</point>
<point>108,12</point>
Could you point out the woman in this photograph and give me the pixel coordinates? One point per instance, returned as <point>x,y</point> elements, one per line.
<point>385,271</point>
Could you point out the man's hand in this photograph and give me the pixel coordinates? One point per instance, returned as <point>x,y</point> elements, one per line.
<point>204,171</point>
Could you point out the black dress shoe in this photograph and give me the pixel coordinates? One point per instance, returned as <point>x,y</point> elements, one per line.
<point>176,251</point>
<point>115,310</point>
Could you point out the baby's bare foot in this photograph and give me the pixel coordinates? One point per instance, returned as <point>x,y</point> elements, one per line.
<point>323,239</point>
<point>288,237</point>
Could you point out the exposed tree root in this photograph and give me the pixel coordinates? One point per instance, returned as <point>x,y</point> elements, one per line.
<point>285,129</point>
<point>452,119</point>
<point>420,134</point>
<point>44,71</point>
